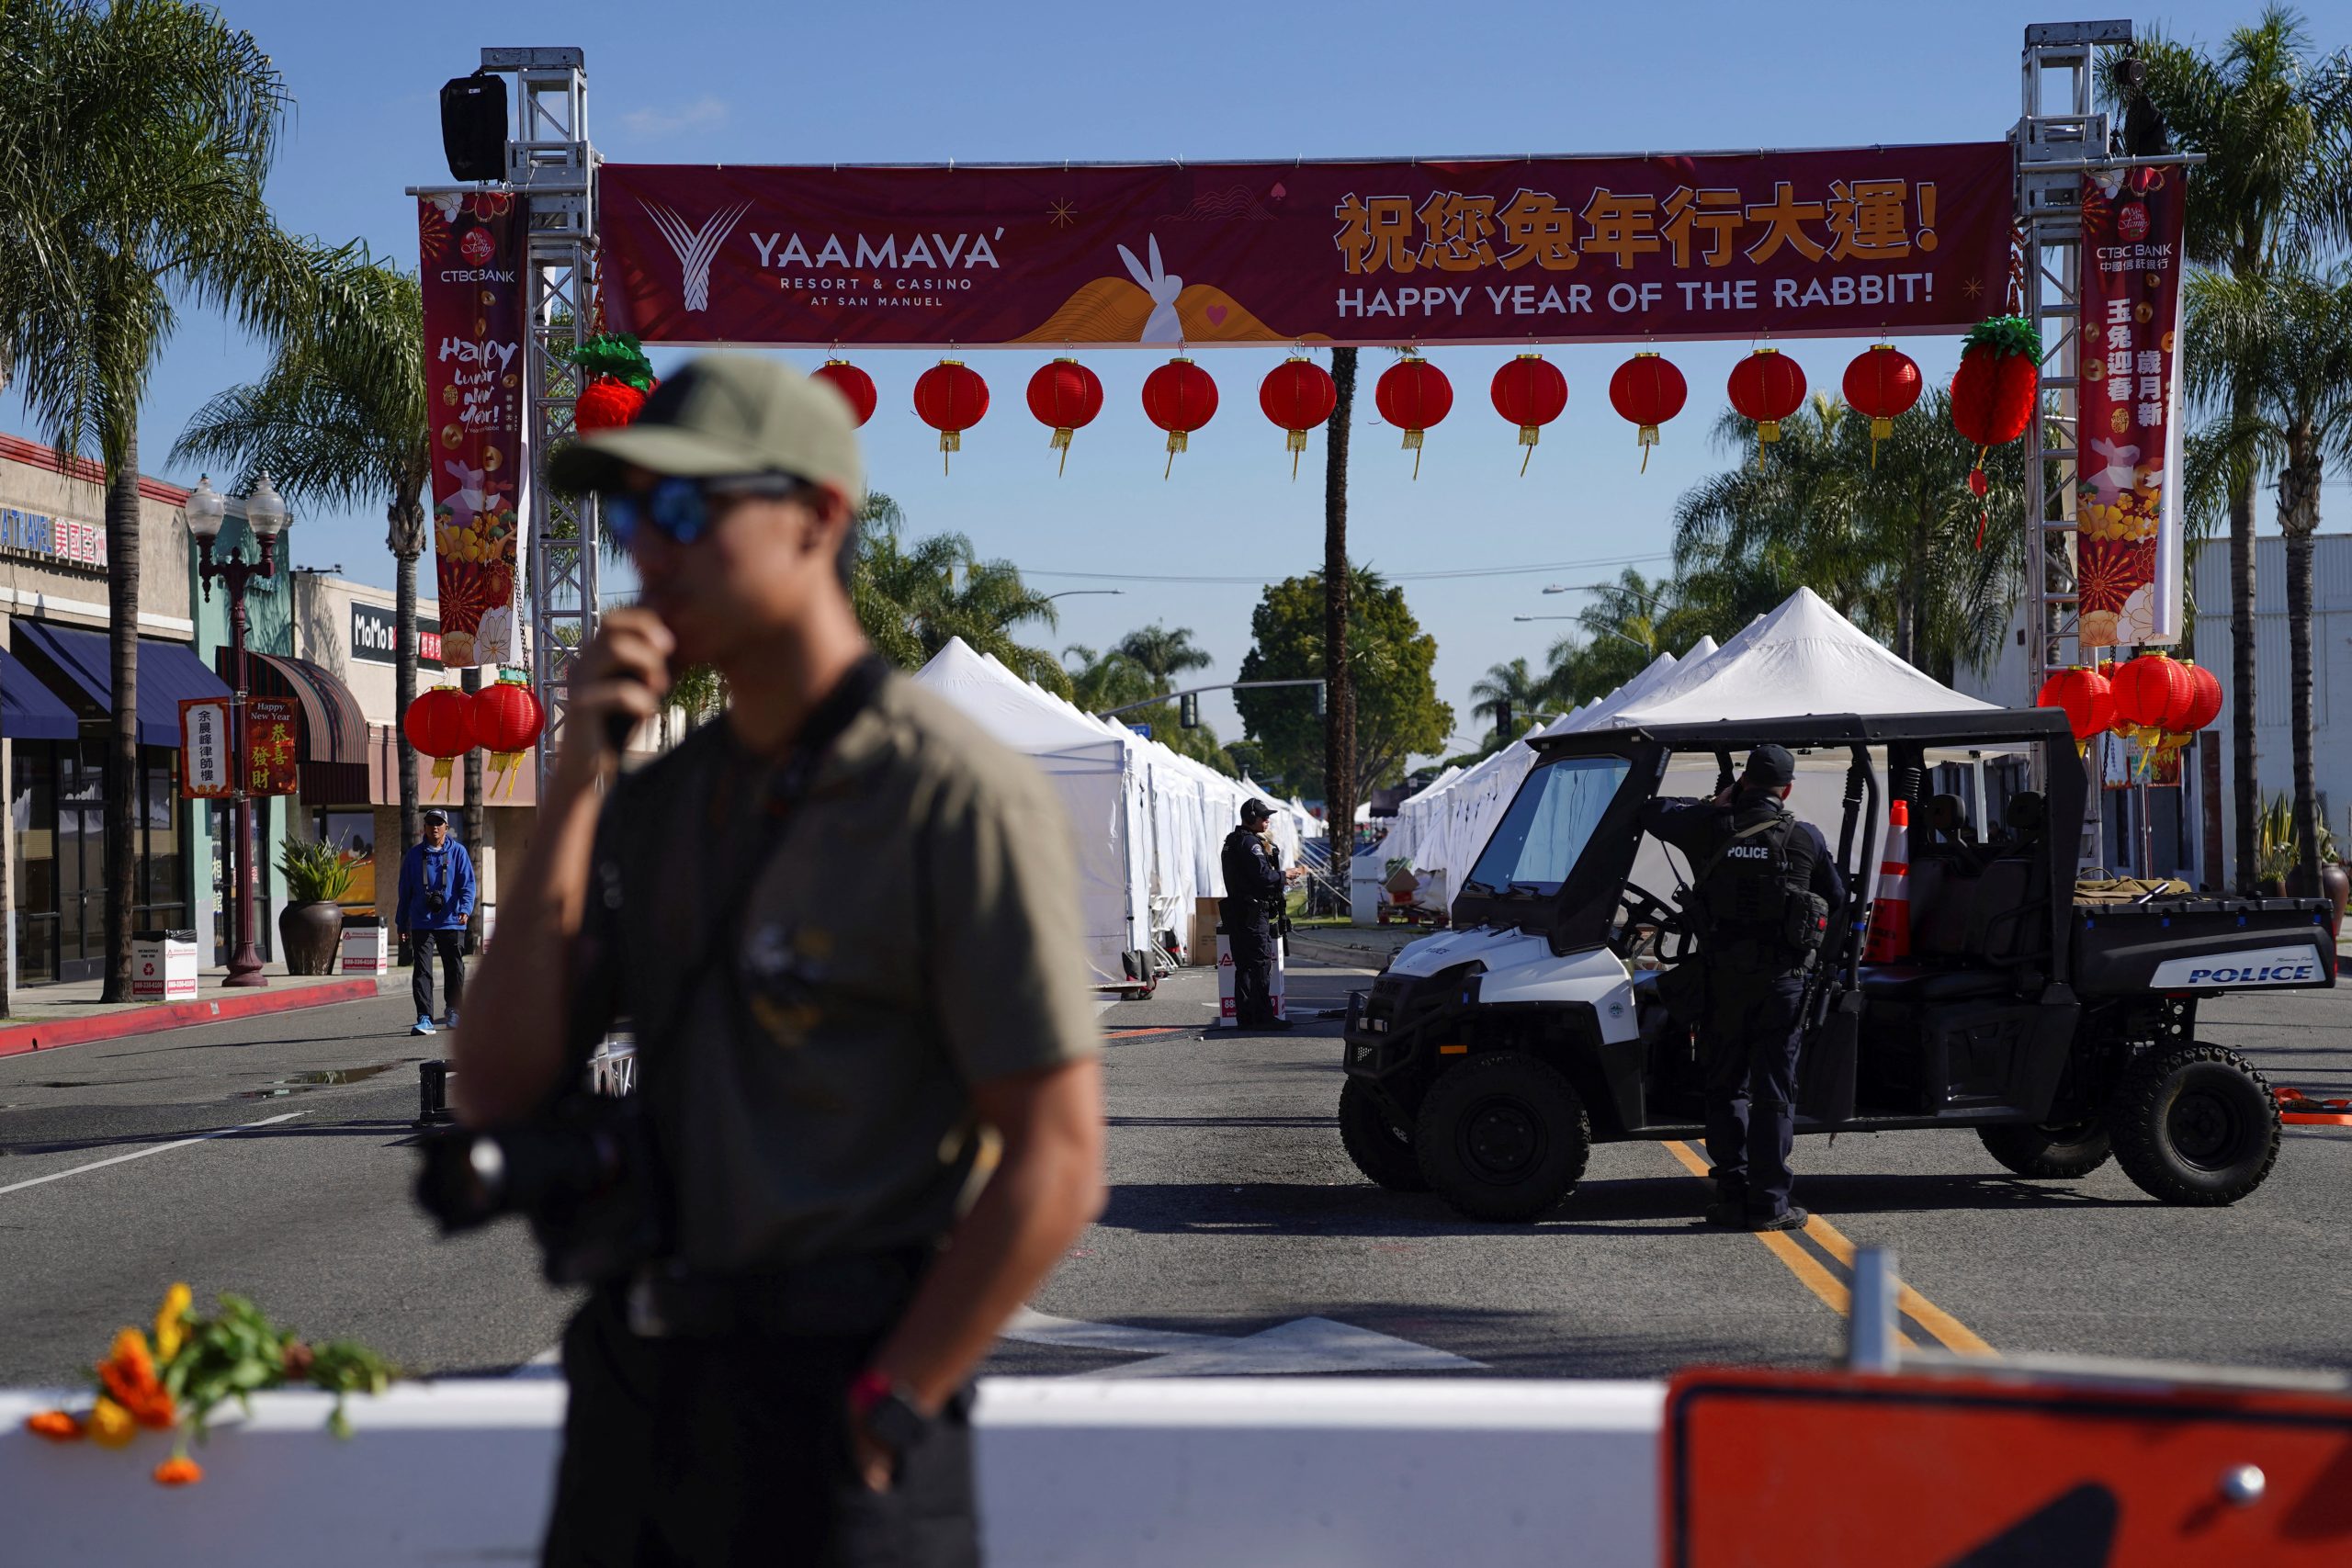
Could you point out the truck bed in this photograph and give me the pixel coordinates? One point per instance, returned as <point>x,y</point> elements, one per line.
<point>2197,943</point>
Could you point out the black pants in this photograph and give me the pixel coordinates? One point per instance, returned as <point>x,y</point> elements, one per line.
<point>1252,945</point>
<point>423,945</point>
<point>734,1450</point>
<point>1751,1034</point>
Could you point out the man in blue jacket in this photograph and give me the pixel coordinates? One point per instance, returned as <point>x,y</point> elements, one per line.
<point>437,899</point>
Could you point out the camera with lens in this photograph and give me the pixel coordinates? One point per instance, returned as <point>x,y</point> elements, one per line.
<point>583,1172</point>
<point>434,903</point>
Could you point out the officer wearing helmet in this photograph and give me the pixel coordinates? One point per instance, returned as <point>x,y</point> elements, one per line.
<point>1764,894</point>
<point>1253,901</point>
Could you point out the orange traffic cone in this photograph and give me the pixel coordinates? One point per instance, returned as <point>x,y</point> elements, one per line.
<point>1891,913</point>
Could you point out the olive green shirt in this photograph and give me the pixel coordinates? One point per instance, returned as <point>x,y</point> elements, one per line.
<point>912,930</point>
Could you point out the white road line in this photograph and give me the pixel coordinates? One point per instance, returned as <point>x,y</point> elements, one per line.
<point>142,1154</point>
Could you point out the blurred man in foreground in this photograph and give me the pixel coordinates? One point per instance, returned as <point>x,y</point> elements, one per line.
<point>845,924</point>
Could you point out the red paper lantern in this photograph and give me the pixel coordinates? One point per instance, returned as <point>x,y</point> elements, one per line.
<point>1531,393</point>
<point>2154,696</point>
<point>1179,397</point>
<point>2085,695</point>
<point>1298,395</point>
<point>606,404</point>
<point>1882,384</point>
<point>1647,390</point>
<point>1994,391</point>
<point>853,384</point>
<point>2205,699</point>
<point>1067,396</point>
<point>1767,387</point>
<point>440,724</point>
<point>506,718</point>
<point>1412,395</point>
<point>951,397</point>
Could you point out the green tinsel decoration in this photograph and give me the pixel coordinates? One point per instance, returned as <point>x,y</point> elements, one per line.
<point>617,355</point>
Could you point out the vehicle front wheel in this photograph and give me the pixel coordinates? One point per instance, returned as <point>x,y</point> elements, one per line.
<point>2195,1125</point>
<point>1380,1150</point>
<point>1502,1137</point>
<point>2051,1151</point>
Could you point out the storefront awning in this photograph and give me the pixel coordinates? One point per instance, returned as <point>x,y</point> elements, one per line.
<point>334,731</point>
<point>29,710</point>
<point>167,673</point>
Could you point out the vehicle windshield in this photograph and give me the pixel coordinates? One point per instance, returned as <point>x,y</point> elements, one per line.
<point>1548,826</point>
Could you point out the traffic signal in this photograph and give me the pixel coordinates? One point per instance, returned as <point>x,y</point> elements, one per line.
<point>1503,720</point>
<point>1188,710</point>
<point>1320,703</point>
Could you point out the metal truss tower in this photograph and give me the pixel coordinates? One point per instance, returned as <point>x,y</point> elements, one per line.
<point>550,164</point>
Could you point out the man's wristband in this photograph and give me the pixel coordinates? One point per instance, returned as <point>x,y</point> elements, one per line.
<point>888,1412</point>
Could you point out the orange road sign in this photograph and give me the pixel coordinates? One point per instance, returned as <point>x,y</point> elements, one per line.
<point>1764,1468</point>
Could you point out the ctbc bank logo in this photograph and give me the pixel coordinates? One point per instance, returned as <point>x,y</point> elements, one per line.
<point>695,248</point>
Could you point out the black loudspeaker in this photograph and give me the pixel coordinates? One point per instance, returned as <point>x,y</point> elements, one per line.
<point>473,126</point>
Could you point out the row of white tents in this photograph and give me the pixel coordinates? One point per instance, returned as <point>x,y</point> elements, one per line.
<point>1803,658</point>
<point>1148,822</point>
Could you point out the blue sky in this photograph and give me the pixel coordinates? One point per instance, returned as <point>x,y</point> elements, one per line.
<point>725,82</point>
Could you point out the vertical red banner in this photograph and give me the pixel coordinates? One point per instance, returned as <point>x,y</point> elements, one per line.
<point>272,761</point>
<point>471,245</point>
<point>2127,502</point>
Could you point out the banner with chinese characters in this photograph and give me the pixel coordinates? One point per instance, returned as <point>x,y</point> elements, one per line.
<point>471,243</point>
<point>2127,500</point>
<point>206,771</point>
<point>273,761</point>
<point>1841,243</point>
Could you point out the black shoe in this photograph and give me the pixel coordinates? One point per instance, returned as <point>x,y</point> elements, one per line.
<point>1729,1215</point>
<point>1794,1219</point>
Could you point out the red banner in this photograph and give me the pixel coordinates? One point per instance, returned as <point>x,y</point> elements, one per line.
<point>272,761</point>
<point>472,250</point>
<point>2127,500</point>
<point>1558,249</point>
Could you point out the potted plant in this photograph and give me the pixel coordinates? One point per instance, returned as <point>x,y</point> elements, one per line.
<point>2277,848</point>
<point>310,928</point>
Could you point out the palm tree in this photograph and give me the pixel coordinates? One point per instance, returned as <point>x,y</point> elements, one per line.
<point>1164,654</point>
<point>912,601</point>
<point>2272,122</point>
<point>339,420</point>
<point>1509,692</point>
<point>1339,683</point>
<point>146,127</point>
<point>1100,682</point>
<point>2286,337</point>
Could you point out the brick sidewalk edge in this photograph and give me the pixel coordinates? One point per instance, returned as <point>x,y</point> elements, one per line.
<point>20,1038</point>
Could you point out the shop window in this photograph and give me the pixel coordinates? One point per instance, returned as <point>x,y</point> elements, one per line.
<point>354,832</point>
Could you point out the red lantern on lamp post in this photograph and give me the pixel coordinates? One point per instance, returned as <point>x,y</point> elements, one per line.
<point>1647,390</point>
<point>440,724</point>
<point>1767,387</point>
<point>1298,395</point>
<point>2154,696</point>
<point>951,397</point>
<point>506,718</point>
<point>1179,397</point>
<point>853,384</point>
<point>1530,392</point>
<point>2205,699</point>
<point>1065,396</point>
<point>1413,395</point>
<point>2086,698</point>
<point>1882,384</point>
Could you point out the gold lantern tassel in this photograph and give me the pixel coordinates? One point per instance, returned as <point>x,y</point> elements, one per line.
<point>1880,430</point>
<point>440,777</point>
<point>949,441</point>
<point>1528,435</point>
<point>1176,443</point>
<point>1298,444</point>
<point>1648,440</point>
<point>1413,443</point>
<point>1061,439</point>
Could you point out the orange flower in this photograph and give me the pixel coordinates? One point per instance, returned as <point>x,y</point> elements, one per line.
<point>110,1425</point>
<point>179,1470</point>
<point>57,1426</point>
<point>170,1321</point>
<point>130,1378</point>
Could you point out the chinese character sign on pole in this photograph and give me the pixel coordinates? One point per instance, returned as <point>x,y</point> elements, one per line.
<point>2127,503</point>
<point>472,245</point>
<point>271,736</point>
<point>1858,242</point>
<point>205,770</point>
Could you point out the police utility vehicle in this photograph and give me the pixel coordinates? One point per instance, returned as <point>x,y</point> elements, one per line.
<point>1485,1061</point>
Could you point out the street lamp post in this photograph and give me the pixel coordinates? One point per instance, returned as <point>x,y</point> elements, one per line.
<point>264,515</point>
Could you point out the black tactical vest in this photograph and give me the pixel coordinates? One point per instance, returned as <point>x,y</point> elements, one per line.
<point>1752,896</point>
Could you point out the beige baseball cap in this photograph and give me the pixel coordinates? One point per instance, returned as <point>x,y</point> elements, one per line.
<point>723,416</point>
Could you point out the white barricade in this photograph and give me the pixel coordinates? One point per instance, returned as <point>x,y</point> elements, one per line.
<point>1108,1473</point>
<point>164,965</point>
<point>1226,1018</point>
<point>366,948</point>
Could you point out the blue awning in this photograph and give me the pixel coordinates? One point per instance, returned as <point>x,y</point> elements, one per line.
<point>29,710</point>
<point>167,673</point>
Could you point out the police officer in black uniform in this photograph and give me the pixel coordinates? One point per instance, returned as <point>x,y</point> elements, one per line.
<point>1253,903</point>
<point>1764,894</point>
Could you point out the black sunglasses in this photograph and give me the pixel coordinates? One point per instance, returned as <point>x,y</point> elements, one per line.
<point>680,510</point>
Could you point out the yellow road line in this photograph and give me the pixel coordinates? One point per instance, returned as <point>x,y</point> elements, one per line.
<point>1954,1333</point>
<point>1800,1263</point>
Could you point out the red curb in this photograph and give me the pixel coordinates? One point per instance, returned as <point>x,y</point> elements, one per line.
<point>30,1037</point>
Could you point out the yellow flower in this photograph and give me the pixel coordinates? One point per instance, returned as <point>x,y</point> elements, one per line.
<point>110,1425</point>
<point>170,1321</point>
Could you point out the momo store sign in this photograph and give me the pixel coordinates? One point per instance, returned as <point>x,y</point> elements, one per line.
<point>375,637</point>
<point>1856,242</point>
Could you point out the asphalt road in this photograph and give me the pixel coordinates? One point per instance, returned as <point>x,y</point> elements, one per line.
<point>1238,1237</point>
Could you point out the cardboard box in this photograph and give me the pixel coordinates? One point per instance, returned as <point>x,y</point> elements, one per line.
<point>1200,944</point>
